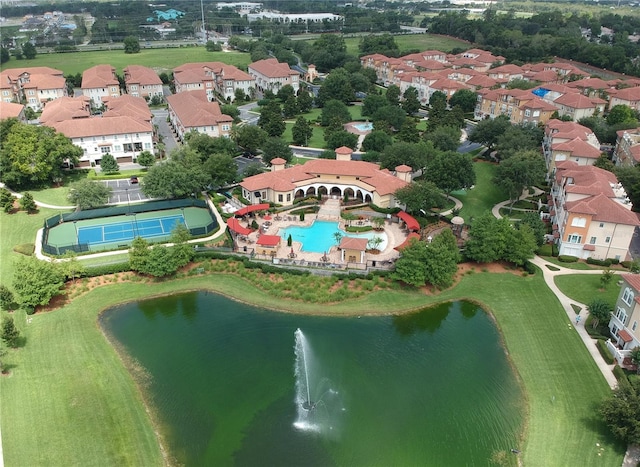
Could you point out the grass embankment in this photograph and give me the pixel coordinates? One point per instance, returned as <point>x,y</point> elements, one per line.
<point>158,59</point>
<point>414,41</point>
<point>69,393</point>
<point>584,288</point>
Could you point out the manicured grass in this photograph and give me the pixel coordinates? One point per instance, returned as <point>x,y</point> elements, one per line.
<point>578,265</point>
<point>415,41</point>
<point>90,395</point>
<point>483,196</point>
<point>158,59</point>
<point>316,140</point>
<point>16,229</point>
<point>585,287</point>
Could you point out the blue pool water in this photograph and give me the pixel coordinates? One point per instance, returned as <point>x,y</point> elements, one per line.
<point>363,126</point>
<point>318,237</point>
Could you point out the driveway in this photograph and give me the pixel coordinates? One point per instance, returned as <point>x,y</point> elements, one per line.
<point>160,120</point>
<point>242,163</point>
<point>122,191</point>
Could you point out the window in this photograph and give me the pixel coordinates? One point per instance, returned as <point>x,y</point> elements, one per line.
<point>621,314</point>
<point>627,296</point>
<point>225,127</point>
<point>117,148</point>
<point>592,240</point>
<point>601,224</point>
<point>105,149</point>
<point>578,222</point>
<point>635,325</point>
<point>607,240</point>
<point>280,198</point>
<point>288,196</point>
<point>147,145</point>
<point>527,113</point>
<point>574,238</point>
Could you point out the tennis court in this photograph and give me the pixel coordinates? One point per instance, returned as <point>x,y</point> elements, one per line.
<point>128,230</point>
<point>115,232</point>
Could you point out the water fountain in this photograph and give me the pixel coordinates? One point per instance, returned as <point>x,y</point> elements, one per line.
<point>318,404</point>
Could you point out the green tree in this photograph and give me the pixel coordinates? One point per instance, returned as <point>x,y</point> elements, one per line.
<point>603,162</point>
<point>599,310</point>
<point>5,56</point>
<point>10,334</point>
<point>466,99</point>
<point>301,132</point>
<point>376,141</point>
<point>232,111</point>
<point>393,95</point>
<point>174,178</point>
<point>411,266</point>
<point>410,101</point>
<point>205,145</point>
<point>146,159</point>
<point>271,119</point>
<point>337,86</point>
<point>488,131</point>
<point>87,194</point>
<point>621,412</point>
<point>444,138</point>
<point>415,155</point>
<point>276,147</point>
<point>250,137</point>
<point>131,45</point>
<point>27,203</point>
<point>290,107</point>
<point>334,110</point>
<point>520,171</point>
<point>516,139</point>
<point>7,300</point>
<point>488,238</point>
<point>286,92</point>
<point>29,51</point>
<point>441,261</point>
<point>33,155</point>
<point>138,254</point>
<point>389,117</point>
<point>221,169</point>
<point>341,138</point>
<point>621,114</point>
<point>211,46</point>
<point>252,169</point>
<point>71,267</point>
<point>532,219</point>
<point>408,132</point>
<point>109,165</point>
<point>606,277</point>
<point>521,245</point>
<point>305,101</point>
<point>239,95</point>
<point>420,196</point>
<point>451,171</point>
<point>35,282</point>
<point>372,103</point>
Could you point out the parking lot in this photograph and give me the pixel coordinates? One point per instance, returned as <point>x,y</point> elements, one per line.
<point>123,191</point>
<point>242,162</point>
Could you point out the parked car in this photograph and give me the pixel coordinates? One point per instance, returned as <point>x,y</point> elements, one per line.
<point>133,180</point>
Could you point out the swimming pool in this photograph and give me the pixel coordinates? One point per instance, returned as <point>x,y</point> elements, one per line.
<point>363,126</point>
<point>318,237</point>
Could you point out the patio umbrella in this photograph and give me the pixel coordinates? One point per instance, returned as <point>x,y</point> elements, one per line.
<point>267,217</point>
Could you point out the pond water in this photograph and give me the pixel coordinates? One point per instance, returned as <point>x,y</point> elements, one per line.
<point>319,236</point>
<point>224,379</point>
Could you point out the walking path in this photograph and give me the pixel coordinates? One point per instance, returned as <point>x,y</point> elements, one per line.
<point>496,209</point>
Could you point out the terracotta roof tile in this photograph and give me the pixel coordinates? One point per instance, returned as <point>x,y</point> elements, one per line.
<point>99,76</point>
<point>138,74</point>
<point>194,109</point>
<point>271,68</point>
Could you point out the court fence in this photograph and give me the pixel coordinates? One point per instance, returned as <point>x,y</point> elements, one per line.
<point>111,211</point>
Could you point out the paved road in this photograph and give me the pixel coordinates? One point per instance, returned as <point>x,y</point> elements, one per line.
<point>248,113</point>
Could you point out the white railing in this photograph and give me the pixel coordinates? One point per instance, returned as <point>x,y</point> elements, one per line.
<point>618,354</point>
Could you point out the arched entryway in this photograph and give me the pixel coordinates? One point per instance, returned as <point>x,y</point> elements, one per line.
<point>335,191</point>
<point>299,194</point>
<point>322,190</point>
<point>348,193</point>
<point>311,191</point>
<point>367,199</point>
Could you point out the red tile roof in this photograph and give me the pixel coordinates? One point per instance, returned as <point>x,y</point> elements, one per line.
<point>353,243</point>
<point>269,240</point>
<point>138,74</point>
<point>65,108</point>
<point>99,76</point>
<point>271,68</point>
<point>603,209</point>
<point>99,126</point>
<point>126,104</point>
<point>633,280</point>
<point>10,110</point>
<point>194,109</point>
<point>234,224</point>
<point>578,148</point>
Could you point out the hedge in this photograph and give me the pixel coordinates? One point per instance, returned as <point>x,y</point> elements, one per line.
<point>602,347</point>
<point>359,228</point>
<point>620,375</point>
<point>567,259</point>
<point>599,262</point>
<point>104,269</point>
<point>384,210</point>
<point>546,250</point>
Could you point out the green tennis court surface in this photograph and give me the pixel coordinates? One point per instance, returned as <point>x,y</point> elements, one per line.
<point>104,233</point>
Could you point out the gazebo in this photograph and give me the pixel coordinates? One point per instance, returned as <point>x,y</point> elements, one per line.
<point>353,249</point>
<point>268,244</point>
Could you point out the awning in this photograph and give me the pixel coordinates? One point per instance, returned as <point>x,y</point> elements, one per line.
<point>590,247</point>
<point>252,208</point>
<point>269,240</point>
<point>407,241</point>
<point>625,336</point>
<point>234,224</point>
<point>412,224</point>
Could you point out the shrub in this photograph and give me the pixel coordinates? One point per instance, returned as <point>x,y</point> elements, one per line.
<point>26,249</point>
<point>529,267</point>
<point>546,250</point>
<point>567,259</point>
<point>602,347</point>
<point>599,262</point>
<point>104,269</point>
<point>554,250</point>
<point>619,373</point>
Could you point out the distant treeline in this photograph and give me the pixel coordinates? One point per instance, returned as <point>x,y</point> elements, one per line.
<point>548,34</point>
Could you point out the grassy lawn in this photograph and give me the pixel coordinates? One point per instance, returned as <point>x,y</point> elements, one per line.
<point>16,229</point>
<point>316,140</point>
<point>414,41</point>
<point>158,59</point>
<point>484,196</point>
<point>578,265</point>
<point>70,394</point>
<point>585,287</point>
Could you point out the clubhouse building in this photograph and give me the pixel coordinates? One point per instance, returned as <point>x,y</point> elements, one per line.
<point>343,177</point>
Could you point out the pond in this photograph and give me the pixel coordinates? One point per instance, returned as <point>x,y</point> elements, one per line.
<point>229,385</point>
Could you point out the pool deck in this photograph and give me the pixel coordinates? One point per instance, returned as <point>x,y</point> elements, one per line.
<point>396,235</point>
